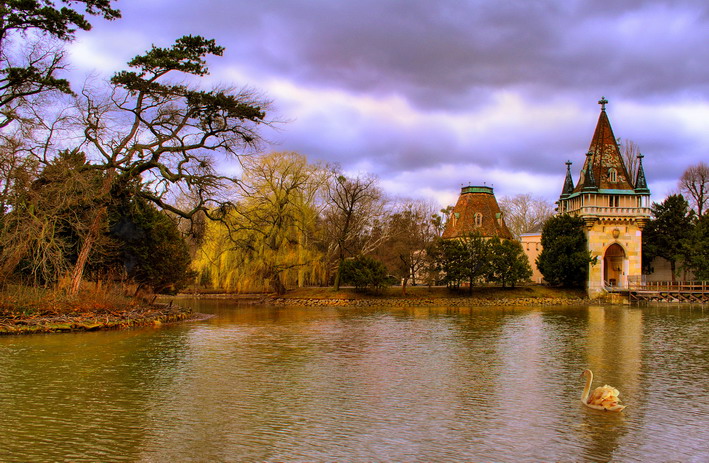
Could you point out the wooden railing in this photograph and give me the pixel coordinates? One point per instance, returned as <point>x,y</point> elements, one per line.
<point>674,286</point>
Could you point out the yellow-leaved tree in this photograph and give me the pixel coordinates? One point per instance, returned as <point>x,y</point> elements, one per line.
<point>268,238</point>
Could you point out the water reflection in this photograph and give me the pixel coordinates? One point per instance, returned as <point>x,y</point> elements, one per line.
<point>436,384</point>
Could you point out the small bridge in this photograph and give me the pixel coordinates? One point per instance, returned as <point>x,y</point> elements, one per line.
<point>692,292</point>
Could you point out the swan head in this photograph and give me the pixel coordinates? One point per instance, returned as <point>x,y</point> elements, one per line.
<point>585,374</point>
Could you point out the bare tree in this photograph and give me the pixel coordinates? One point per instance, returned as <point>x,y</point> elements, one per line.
<point>630,150</point>
<point>152,136</point>
<point>355,209</point>
<point>524,212</point>
<point>694,184</point>
<point>410,231</point>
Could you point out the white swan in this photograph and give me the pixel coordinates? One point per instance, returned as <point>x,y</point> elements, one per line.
<point>603,398</point>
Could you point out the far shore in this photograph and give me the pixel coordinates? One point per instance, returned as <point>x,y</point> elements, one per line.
<point>415,296</point>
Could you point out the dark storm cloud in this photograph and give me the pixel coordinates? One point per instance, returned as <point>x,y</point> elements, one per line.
<point>449,67</point>
<point>450,54</point>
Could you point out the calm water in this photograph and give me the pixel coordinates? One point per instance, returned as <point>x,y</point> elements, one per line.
<point>347,384</point>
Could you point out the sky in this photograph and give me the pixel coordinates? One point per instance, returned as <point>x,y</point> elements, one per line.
<point>432,95</point>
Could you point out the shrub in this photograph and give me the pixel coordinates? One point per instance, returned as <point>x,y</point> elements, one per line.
<point>364,273</point>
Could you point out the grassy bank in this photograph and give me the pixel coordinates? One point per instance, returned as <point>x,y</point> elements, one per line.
<point>26,310</point>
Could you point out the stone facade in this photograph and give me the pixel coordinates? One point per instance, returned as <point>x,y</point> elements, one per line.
<point>614,208</point>
<point>532,246</point>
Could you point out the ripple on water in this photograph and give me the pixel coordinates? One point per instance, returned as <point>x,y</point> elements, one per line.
<point>362,384</point>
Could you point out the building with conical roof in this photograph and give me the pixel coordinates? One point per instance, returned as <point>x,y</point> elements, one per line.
<point>476,211</point>
<point>614,207</point>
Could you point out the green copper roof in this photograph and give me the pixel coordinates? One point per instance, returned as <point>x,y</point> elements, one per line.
<point>476,189</point>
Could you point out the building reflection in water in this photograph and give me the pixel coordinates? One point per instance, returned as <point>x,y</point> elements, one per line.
<point>614,354</point>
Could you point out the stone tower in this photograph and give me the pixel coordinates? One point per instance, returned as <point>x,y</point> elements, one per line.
<point>614,207</point>
<point>476,211</point>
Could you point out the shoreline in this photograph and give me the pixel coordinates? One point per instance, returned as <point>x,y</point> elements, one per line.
<point>415,297</point>
<point>167,312</point>
<point>428,302</point>
<point>154,315</point>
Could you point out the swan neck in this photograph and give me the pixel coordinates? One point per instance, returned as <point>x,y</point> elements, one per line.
<point>587,387</point>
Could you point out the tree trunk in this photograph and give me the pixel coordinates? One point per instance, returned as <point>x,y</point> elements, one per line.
<point>301,260</point>
<point>94,230</point>
<point>78,272</point>
<point>403,286</point>
<point>672,270</point>
<point>338,274</point>
<point>278,285</point>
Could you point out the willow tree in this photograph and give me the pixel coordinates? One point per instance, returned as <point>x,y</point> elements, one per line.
<point>154,131</point>
<point>268,235</point>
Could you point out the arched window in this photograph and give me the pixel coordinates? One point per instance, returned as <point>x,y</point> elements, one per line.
<point>612,175</point>
<point>454,217</point>
<point>478,219</point>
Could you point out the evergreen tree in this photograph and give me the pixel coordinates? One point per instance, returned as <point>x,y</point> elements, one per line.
<point>149,246</point>
<point>508,263</point>
<point>668,231</point>
<point>697,249</point>
<point>465,259</point>
<point>364,272</point>
<point>565,257</point>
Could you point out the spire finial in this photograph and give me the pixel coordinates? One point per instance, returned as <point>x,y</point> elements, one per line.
<point>603,102</point>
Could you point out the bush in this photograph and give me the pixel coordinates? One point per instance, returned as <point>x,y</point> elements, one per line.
<point>364,273</point>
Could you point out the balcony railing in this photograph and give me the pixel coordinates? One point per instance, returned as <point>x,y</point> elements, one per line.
<point>606,211</point>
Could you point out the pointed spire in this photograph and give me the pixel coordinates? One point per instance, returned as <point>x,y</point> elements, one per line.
<point>589,181</point>
<point>568,182</point>
<point>606,163</point>
<point>640,182</point>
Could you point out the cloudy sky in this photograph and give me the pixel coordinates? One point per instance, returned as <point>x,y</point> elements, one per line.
<point>432,94</point>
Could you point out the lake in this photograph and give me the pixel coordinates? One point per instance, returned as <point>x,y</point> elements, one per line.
<point>260,383</point>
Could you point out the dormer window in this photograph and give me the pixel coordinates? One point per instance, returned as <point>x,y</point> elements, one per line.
<point>478,219</point>
<point>454,218</point>
<point>612,175</point>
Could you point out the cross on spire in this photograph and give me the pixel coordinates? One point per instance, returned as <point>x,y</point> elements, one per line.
<point>603,102</point>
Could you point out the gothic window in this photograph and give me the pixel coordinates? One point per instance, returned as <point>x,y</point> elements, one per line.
<point>612,175</point>
<point>478,219</point>
<point>614,200</point>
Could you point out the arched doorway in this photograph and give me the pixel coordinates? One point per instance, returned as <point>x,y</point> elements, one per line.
<point>614,266</point>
